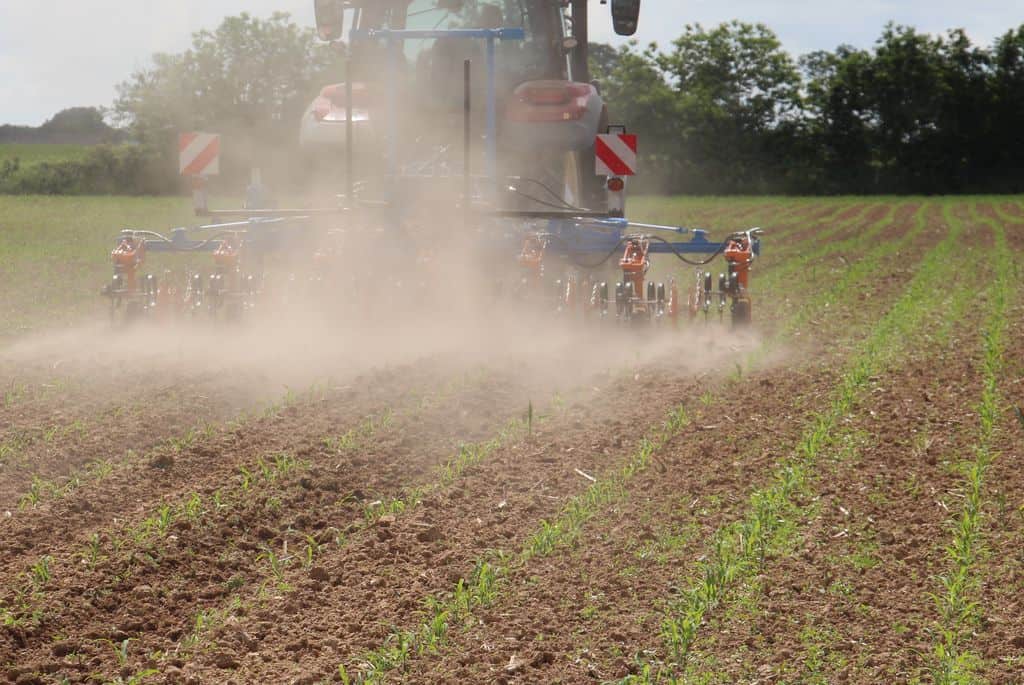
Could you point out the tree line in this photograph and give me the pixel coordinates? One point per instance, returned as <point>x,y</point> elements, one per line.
<point>72,126</point>
<point>727,110</point>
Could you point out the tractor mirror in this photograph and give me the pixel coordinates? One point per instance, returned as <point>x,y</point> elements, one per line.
<point>625,15</point>
<point>330,19</point>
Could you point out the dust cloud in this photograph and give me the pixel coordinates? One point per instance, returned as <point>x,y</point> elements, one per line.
<point>358,299</point>
<point>376,288</point>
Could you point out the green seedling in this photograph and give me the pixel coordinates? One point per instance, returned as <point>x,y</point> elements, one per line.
<point>163,520</point>
<point>92,550</point>
<point>101,468</point>
<point>246,478</point>
<point>39,574</point>
<point>312,549</point>
<point>194,507</point>
<point>284,464</point>
<point>277,564</point>
<point>35,493</point>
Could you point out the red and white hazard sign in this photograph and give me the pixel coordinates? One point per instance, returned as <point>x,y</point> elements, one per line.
<point>199,154</point>
<point>616,154</point>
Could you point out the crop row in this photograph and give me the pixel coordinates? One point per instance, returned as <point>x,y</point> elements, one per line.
<point>737,550</point>
<point>545,540</point>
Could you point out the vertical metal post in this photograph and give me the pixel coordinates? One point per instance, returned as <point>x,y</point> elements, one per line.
<point>492,113</point>
<point>349,151</point>
<point>466,138</point>
<point>395,48</point>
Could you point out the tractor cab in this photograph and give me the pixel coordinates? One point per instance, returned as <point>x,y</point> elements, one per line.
<point>540,55</point>
<point>424,75</point>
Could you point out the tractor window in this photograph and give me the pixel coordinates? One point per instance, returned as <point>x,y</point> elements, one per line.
<point>443,15</point>
<point>538,57</point>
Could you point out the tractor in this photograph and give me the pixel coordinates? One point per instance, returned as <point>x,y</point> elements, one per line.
<point>527,187</point>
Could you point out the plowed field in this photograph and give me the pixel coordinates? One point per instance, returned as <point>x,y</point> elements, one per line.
<point>834,496</point>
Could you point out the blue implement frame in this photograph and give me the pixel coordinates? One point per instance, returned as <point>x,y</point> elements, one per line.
<point>262,234</point>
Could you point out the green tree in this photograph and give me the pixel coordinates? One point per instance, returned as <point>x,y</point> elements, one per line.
<point>840,115</point>
<point>1007,102</point>
<point>734,86</point>
<point>960,149</point>
<point>249,79</point>
<point>639,97</point>
<point>907,84</point>
<point>603,59</point>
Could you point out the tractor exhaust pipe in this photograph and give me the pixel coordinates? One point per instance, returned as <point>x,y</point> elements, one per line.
<point>581,32</point>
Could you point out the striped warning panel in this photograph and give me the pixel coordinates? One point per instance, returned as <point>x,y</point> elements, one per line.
<point>616,154</point>
<point>199,154</point>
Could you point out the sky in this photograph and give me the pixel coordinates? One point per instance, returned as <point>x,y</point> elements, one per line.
<point>63,53</point>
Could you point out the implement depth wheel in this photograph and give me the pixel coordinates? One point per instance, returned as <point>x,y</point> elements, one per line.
<point>741,313</point>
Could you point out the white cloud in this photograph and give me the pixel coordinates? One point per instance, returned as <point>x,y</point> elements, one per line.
<point>58,54</point>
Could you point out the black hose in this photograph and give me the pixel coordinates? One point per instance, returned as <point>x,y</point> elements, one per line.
<point>194,248</point>
<point>691,262</point>
<point>549,191</point>
<point>545,203</point>
<point>623,241</point>
<point>583,265</point>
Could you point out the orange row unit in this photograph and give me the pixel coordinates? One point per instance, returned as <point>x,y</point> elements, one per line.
<point>227,291</point>
<point>739,254</point>
<point>635,263</point>
<point>733,290</point>
<point>531,259</point>
<point>129,295</point>
<point>129,254</point>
